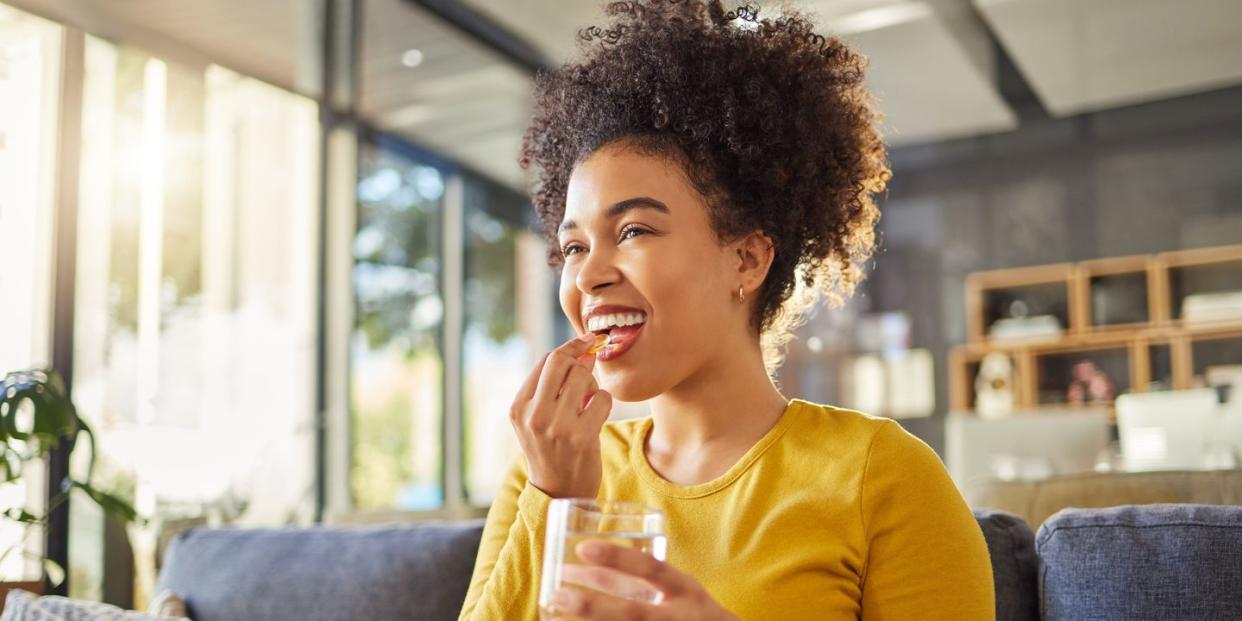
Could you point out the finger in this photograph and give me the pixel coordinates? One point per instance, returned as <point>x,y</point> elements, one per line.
<point>578,383</point>
<point>636,563</point>
<point>527,391</point>
<point>587,360</point>
<point>555,368</point>
<point>577,346</point>
<point>586,400</point>
<point>610,581</point>
<point>595,605</point>
<point>555,372</point>
<point>598,408</point>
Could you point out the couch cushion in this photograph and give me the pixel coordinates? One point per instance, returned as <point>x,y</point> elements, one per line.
<point>1011,546</point>
<point>418,572</point>
<point>25,606</point>
<point>1165,561</point>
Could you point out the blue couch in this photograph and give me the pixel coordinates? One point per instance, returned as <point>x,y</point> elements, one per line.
<point>1166,562</point>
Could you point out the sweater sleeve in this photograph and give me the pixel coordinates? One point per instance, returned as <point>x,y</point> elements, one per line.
<point>505,583</point>
<point>926,556</point>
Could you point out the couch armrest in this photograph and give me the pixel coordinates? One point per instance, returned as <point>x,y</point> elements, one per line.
<point>1011,547</point>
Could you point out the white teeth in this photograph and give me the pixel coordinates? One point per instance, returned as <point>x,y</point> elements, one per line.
<point>604,322</point>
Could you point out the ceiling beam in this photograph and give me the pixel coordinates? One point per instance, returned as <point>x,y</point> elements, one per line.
<point>487,32</point>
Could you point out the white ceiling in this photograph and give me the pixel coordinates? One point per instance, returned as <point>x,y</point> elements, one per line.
<point>550,25</point>
<point>273,40</point>
<point>931,61</point>
<point>463,100</point>
<point>930,66</point>
<point>1083,55</point>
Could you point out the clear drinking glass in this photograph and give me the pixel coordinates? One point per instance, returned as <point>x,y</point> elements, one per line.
<point>574,520</point>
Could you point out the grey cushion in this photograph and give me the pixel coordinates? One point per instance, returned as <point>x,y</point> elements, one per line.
<point>1135,562</point>
<point>408,572</point>
<point>1011,546</point>
<point>24,606</point>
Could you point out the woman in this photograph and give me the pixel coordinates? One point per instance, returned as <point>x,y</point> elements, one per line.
<point>701,175</point>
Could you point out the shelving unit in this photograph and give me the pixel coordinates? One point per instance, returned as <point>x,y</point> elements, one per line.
<point>1124,314</point>
<point>1135,287</point>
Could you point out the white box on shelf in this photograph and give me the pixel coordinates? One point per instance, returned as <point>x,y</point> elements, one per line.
<point>1205,307</point>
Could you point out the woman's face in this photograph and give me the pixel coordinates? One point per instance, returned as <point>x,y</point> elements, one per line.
<point>640,249</point>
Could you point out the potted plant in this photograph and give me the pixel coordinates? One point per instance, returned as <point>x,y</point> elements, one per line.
<point>35,416</point>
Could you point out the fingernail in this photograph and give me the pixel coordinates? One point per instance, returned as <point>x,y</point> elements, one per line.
<point>589,550</point>
<point>564,598</point>
<point>587,337</point>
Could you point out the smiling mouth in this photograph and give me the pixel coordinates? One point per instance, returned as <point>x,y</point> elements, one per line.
<point>622,330</point>
<point>605,324</point>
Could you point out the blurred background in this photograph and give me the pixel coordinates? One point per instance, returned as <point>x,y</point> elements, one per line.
<point>280,250</point>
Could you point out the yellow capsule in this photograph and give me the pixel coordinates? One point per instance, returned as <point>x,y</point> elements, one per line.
<point>600,343</point>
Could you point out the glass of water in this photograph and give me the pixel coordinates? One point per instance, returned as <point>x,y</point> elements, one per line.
<point>574,520</point>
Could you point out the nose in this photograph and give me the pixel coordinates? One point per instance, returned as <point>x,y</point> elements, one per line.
<point>597,271</point>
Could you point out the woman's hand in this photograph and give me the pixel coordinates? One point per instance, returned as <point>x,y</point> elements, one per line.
<point>683,597</point>
<point>558,427</point>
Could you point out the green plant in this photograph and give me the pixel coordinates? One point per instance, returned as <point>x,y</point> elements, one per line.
<point>36,414</point>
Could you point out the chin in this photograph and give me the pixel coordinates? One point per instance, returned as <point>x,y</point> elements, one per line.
<point>626,385</point>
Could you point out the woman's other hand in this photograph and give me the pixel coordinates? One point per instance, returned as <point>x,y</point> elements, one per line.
<point>682,597</point>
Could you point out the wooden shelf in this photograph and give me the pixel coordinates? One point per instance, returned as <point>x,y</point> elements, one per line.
<point>1162,328</point>
<point>1142,269</point>
<point>979,284</point>
<point>1180,271</point>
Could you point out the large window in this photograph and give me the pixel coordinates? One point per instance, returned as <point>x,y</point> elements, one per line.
<point>29,105</point>
<point>396,365</point>
<point>198,281</point>
<point>196,295</point>
<point>430,400</point>
<point>508,323</point>
<point>398,381</point>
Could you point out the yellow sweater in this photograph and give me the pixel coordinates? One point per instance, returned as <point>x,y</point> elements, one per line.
<point>833,514</point>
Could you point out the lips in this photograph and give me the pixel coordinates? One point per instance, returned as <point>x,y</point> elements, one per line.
<point>620,338</point>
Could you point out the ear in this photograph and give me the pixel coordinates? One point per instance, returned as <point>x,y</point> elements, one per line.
<point>755,252</point>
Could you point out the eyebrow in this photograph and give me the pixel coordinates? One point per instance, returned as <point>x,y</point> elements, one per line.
<point>640,202</point>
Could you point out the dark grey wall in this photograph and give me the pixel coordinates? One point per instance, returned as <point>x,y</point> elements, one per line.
<point>1142,179</point>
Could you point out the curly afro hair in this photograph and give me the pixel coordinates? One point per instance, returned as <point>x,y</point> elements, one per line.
<point>770,121</point>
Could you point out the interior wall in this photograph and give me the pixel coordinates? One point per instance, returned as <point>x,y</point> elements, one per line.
<point>1138,180</point>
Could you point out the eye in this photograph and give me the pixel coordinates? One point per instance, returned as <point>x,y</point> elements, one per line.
<point>571,249</point>
<point>633,230</point>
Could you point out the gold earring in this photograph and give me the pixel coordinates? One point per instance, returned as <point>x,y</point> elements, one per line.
<point>741,295</point>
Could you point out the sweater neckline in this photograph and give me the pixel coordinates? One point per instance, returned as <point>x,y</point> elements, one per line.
<point>638,457</point>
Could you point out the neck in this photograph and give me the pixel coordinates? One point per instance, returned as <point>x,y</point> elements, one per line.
<point>730,400</point>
